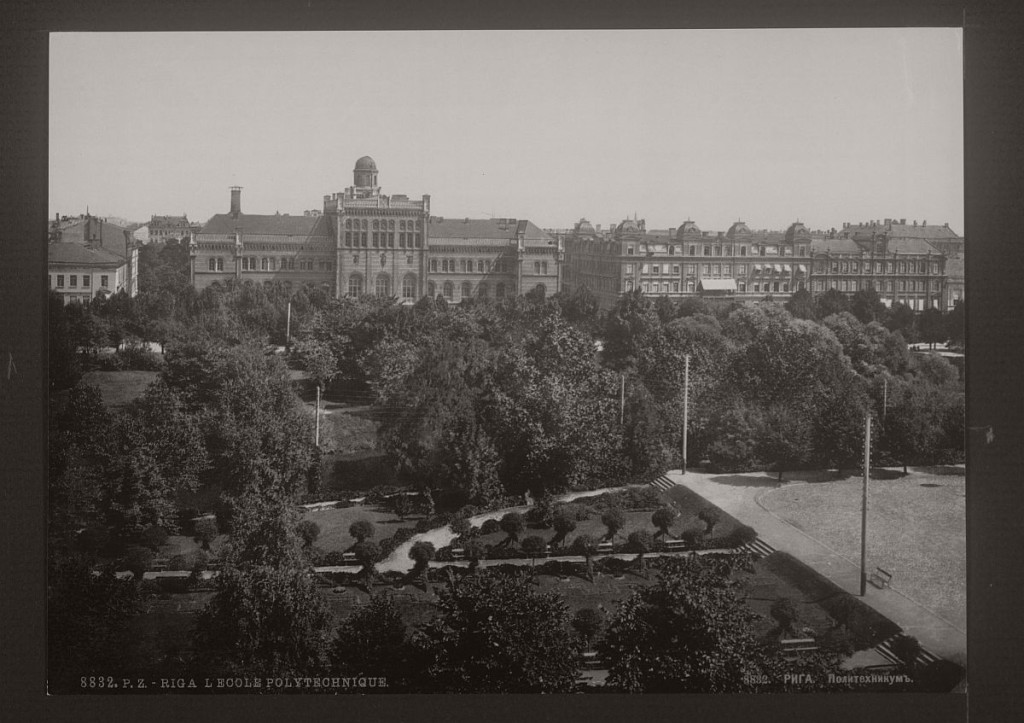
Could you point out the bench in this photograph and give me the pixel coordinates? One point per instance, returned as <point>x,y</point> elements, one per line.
<point>880,578</point>
<point>793,646</point>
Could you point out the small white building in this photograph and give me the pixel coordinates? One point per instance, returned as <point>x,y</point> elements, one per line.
<point>79,272</point>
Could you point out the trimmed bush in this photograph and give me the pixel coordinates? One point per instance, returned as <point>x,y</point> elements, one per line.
<point>461,527</point>
<point>362,530</point>
<point>308,531</point>
<point>534,546</point>
<point>206,531</point>
<point>783,611</point>
<point>614,519</point>
<point>512,524</point>
<point>489,527</point>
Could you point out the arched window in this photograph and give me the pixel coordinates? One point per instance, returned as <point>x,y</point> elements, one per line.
<point>449,290</point>
<point>467,290</point>
<point>391,225</point>
<point>376,225</point>
<point>499,291</point>
<point>401,225</point>
<point>536,267</point>
<point>213,264</point>
<point>355,285</point>
<point>540,289</point>
<point>383,286</point>
<point>544,267</point>
<point>409,286</point>
<point>480,266</point>
<point>482,290</point>
<point>431,289</point>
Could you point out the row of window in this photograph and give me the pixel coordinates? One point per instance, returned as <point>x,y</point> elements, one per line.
<point>851,285</point>
<point>384,239</point>
<point>717,269</point>
<point>382,285</point>
<point>73,281</point>
<point>717,250</point>
<point>269,263</point>
<point>887,267</point>
<point>466,266</point>
<point>690,287</point>
<point>382,225</point>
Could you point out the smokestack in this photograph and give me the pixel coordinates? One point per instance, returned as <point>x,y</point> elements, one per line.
<point>236,200</point>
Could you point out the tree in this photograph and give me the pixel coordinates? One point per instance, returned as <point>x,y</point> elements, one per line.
<point>367,554</point>
<point>473,550</point>
<point>564,522</point>
<point>783,611</point>
<point>586,546</point>
<point>831,302</point>
<point>641,542</point>
<point>687,632</point>
<point>422,553</point>
<point>373,641</point>
<point>801,305</point>
<point>663,518</point>
<point>206,531</point>
<point>512,524</point>
<point>867,306</point>
<point>587,622</point>
<point>138,560</point>
<point>461,527</point>
<point>710,516</point>
<point>402,505</point>
<point>614,519</point>
<point>534,546</point>
<point>308,531</point>
<point>495,634</point>
<point>906,648</point>
<point>913,424</point>
<point>785,437</point>
<point>955,324</point>
<point>933,326</point>
<point>362,530</point>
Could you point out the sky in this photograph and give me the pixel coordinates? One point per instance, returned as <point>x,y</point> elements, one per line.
<point>768,126</point>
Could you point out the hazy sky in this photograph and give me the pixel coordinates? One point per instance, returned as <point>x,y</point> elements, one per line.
<point>765,125</point>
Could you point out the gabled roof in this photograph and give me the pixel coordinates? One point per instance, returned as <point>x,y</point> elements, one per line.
<point>483,228</point>
<point>268,225</point>
<point>75,254</point>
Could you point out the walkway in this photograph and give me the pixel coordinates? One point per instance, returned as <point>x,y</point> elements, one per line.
<point>738,498</point>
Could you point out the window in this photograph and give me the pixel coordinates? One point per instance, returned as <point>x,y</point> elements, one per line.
<point>743,250</point>
<point>903,285</point>
<point>73,281</point>
<point>656,269</point>
<point>741,269</point>
<point>707,250</point>
<point>689,287</point>
<point>104,281</point>
<point>741,286</point>
<point>481,290</point>
<point>536,267</point>
<point>213,264</point>
<point>717,270</point>
<point>675,268</point>
<point>785,287</point>
<point>763,252</point>
<point>675,286</point>
<point>355,258</point>
<point>671,250</point>
<point>718,250</point>
<point>431,289</point>
<point>462,266</point>
<point>693,250</point>
<point>629,250</point>
<point>854,267</point>
<point>449,290</point>
<point>408,286</point>
<point>544,267</point>
<point>646,288</point>
<point>419,240</point>
<point>480,266</point>
<point>60,281</point>
<point>433,265</point>
<point>355,285</point>
<point>888,267</point>
<point>775,286</point>
<point>727,270</point>
<point>85,281</point>
<point>835,267</point>
<point>706,269</point>
<point>265,264</point>
<point>467,290</point>
<point>629,285</point>
<point>383,285</point>
<point>499,291</point>
<point>362,237</point>
<point>629,268</point>
<point>757,288</point>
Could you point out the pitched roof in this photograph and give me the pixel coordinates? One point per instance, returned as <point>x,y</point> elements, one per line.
<point>911,246</point>
<point>483,228</point>
<point>268,225</point>
<point>925,232</point>
<point>835,246</point>
<point>76,254</point>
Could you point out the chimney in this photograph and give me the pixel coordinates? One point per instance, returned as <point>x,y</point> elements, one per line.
<point>236,201</point>
<point>903,222</point>
<point>888,221</point>
<point>924,223</point>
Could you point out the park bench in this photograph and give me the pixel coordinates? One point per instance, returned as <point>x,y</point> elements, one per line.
<point>880,578</point>
<point>793,646</point>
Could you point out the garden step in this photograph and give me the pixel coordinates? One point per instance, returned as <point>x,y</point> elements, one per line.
<point>663,483</point>
<point>885,649</point>
<point>758,548</point>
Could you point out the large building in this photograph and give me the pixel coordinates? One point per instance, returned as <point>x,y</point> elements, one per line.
<point>80,272</point>
<point>367,242</point>
<point>738,264</point>
<point>97,233</point>
<point>168,228</point>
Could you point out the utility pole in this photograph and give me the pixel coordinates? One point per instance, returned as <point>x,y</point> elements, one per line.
<point>885,398</point>
<point>622,400</point>
<point>686,407</point>
<point>317,438</point>
<point>288,329</point>
<point>864,508</point>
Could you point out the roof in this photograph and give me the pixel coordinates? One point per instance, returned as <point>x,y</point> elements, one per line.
<point>835,246</point>
<point>80,255</point>
<point>268,225</point>
<point>911,246</point>
<point>925,232</point>
<point>717,284</point>
<point>483,228</point>
<point>169,222</point>
<point>366,164</point>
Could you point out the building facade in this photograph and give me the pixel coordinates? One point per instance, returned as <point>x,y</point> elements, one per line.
<point>167,228</point>
<point>367,242</point>
<point>80,273</point>
<point>737,264</point>
<point>97,233</point>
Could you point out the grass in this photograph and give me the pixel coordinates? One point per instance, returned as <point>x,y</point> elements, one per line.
<point>916,530</point>
<point>334,524</point>
<point>120,388</point>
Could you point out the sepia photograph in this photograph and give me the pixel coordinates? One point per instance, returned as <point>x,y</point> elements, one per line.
<point>507,361</point>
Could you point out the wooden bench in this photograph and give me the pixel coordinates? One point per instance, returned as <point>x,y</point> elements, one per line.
<point>880,578</point>
<point>793,646</point>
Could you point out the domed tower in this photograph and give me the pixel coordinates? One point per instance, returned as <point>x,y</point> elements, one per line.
<point>365,173</point>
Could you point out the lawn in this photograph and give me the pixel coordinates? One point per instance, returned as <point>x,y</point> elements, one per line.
<point>916,530</point>
<point>119,388</point>
<point>334,524</point>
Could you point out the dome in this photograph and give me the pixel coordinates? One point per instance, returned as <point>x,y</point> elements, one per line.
<point>628,226</point>
<point>688,228</point>
<point>737,228</point>
<point>585,227</point>
<point>795,230</point>
<point>366,164</point>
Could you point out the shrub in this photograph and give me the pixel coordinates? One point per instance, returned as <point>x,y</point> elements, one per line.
<point>189,561</point>
<point>489,527</point>
<point>362,530</point>
<point>742,535</point>
<point>422,553</point>
<point>308,531</point>
<point>512,524</point>
<point>367,554</point>
<point>401,505</point>
<point>541,513</point>
<point>710,516</point>
<point>613,519</point>
<point>206,531</point>
<point>138,560</point>
<point>783,611</point>
<point>534,546</point>
<point>474,551</point>
<point>663,518</point>
<point>154,537</point>
<point>564,521</point>
<point>461,527</point>
<point>836,640</point>
<point>587,622</point>
<point>693,537</point>
<point>640,541</point>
